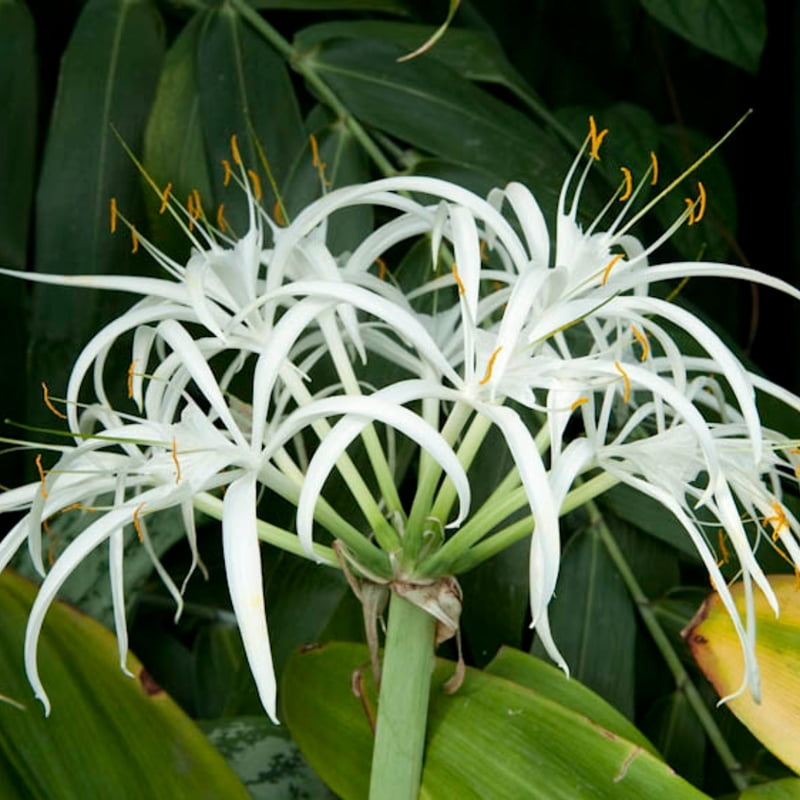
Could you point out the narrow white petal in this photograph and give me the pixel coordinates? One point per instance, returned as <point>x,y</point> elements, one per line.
<point>245,583</point>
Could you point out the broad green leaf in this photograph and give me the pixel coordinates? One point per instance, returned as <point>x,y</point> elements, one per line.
<point>675,729</point>
<point>492,738</point>
<point>174,149</point>
<point>108,735</point>
<point>17,121</point>
<point>245,91</point>
<point>428,105</point>
<point>550,682</point>
<point>265,759</point>
<point>715,646</point>
<point>731,29</point>
<point>473,54</point>
<point>785,789</point>
<point>593,621</point>
<point>108,75</point>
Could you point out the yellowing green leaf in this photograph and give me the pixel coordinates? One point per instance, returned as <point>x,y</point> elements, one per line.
<point>776,720</point>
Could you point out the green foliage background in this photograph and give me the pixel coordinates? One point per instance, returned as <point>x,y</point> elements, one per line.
<point>503,96</point>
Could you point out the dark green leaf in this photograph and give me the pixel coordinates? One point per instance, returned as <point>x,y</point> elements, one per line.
<point>492,738</point>
<point>731,29</point>
<point>386,6</point>
<point>593,621</point>
<point>17,121</point>
<point>266,760</point>
<point>174,149</point>
<point>108,735</point>
<point>108,74</point>
<point>431,107</point>
<point>245,91</point>
<point>675,729</point>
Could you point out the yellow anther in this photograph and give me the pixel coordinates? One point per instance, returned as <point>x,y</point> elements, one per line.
<point>137,523</point>
<point>40,469</point>
<point>457,279</point>
<point>198,204</point>
<point>626,382</point>
<point>642,339</point>
<point>654,168</point>
<point>175,461</point>
<point>226,178</point>
<point>611,264</point>
<point>49,404</point>
<point>134,240</point>
<point>78,507</point>
<point>690,209</point>
<point>595,139</point>
<point>237,159</point>
<point>131,373</point>
<point>256,181</point>
<point>777,520</point>
<point>701,202</point>
<point>722,548</point>
<point>628,178</point>
<point>579,402</point>
<point>277,213</point>
<point>382,269</point>
<point>165,198</point>
<point>113,210</point>
<point>221,217</point>
<point>490,366</point>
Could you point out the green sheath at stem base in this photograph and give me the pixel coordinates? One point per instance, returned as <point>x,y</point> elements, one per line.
<point>403,703</point>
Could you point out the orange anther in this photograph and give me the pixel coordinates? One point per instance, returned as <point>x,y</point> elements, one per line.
<point>315,162</point>
<point>611,264</point>
<point>134,240</point>
<point>237,159</point>
<point>277,213</point>
<point>40,469</point>
<point>642,339</point>
<point>175,461</point>
<point>490,366</point>
<point>165,198</point>
<point>690,209</point>
<point>701,202</point>
<point>382,269</point>
<point>457,278</point>
<point>577,403</point>
<point>626,382</point>
<point>654,168</point>
<point>221,217</point>
<point>595,139</point>
<point>226,179</point>
<point>113,210</point>
<point>49,404</point>
<point>131,373</point>
<point>137,523</point>
<point>628,178</point>
<point>256,181</point>
<point>722,548</point>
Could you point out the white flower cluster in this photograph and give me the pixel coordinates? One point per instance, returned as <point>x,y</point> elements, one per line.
<point>513,329</point>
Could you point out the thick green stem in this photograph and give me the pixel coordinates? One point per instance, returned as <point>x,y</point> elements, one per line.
<point>682,680</point>
<point>402,703</point>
